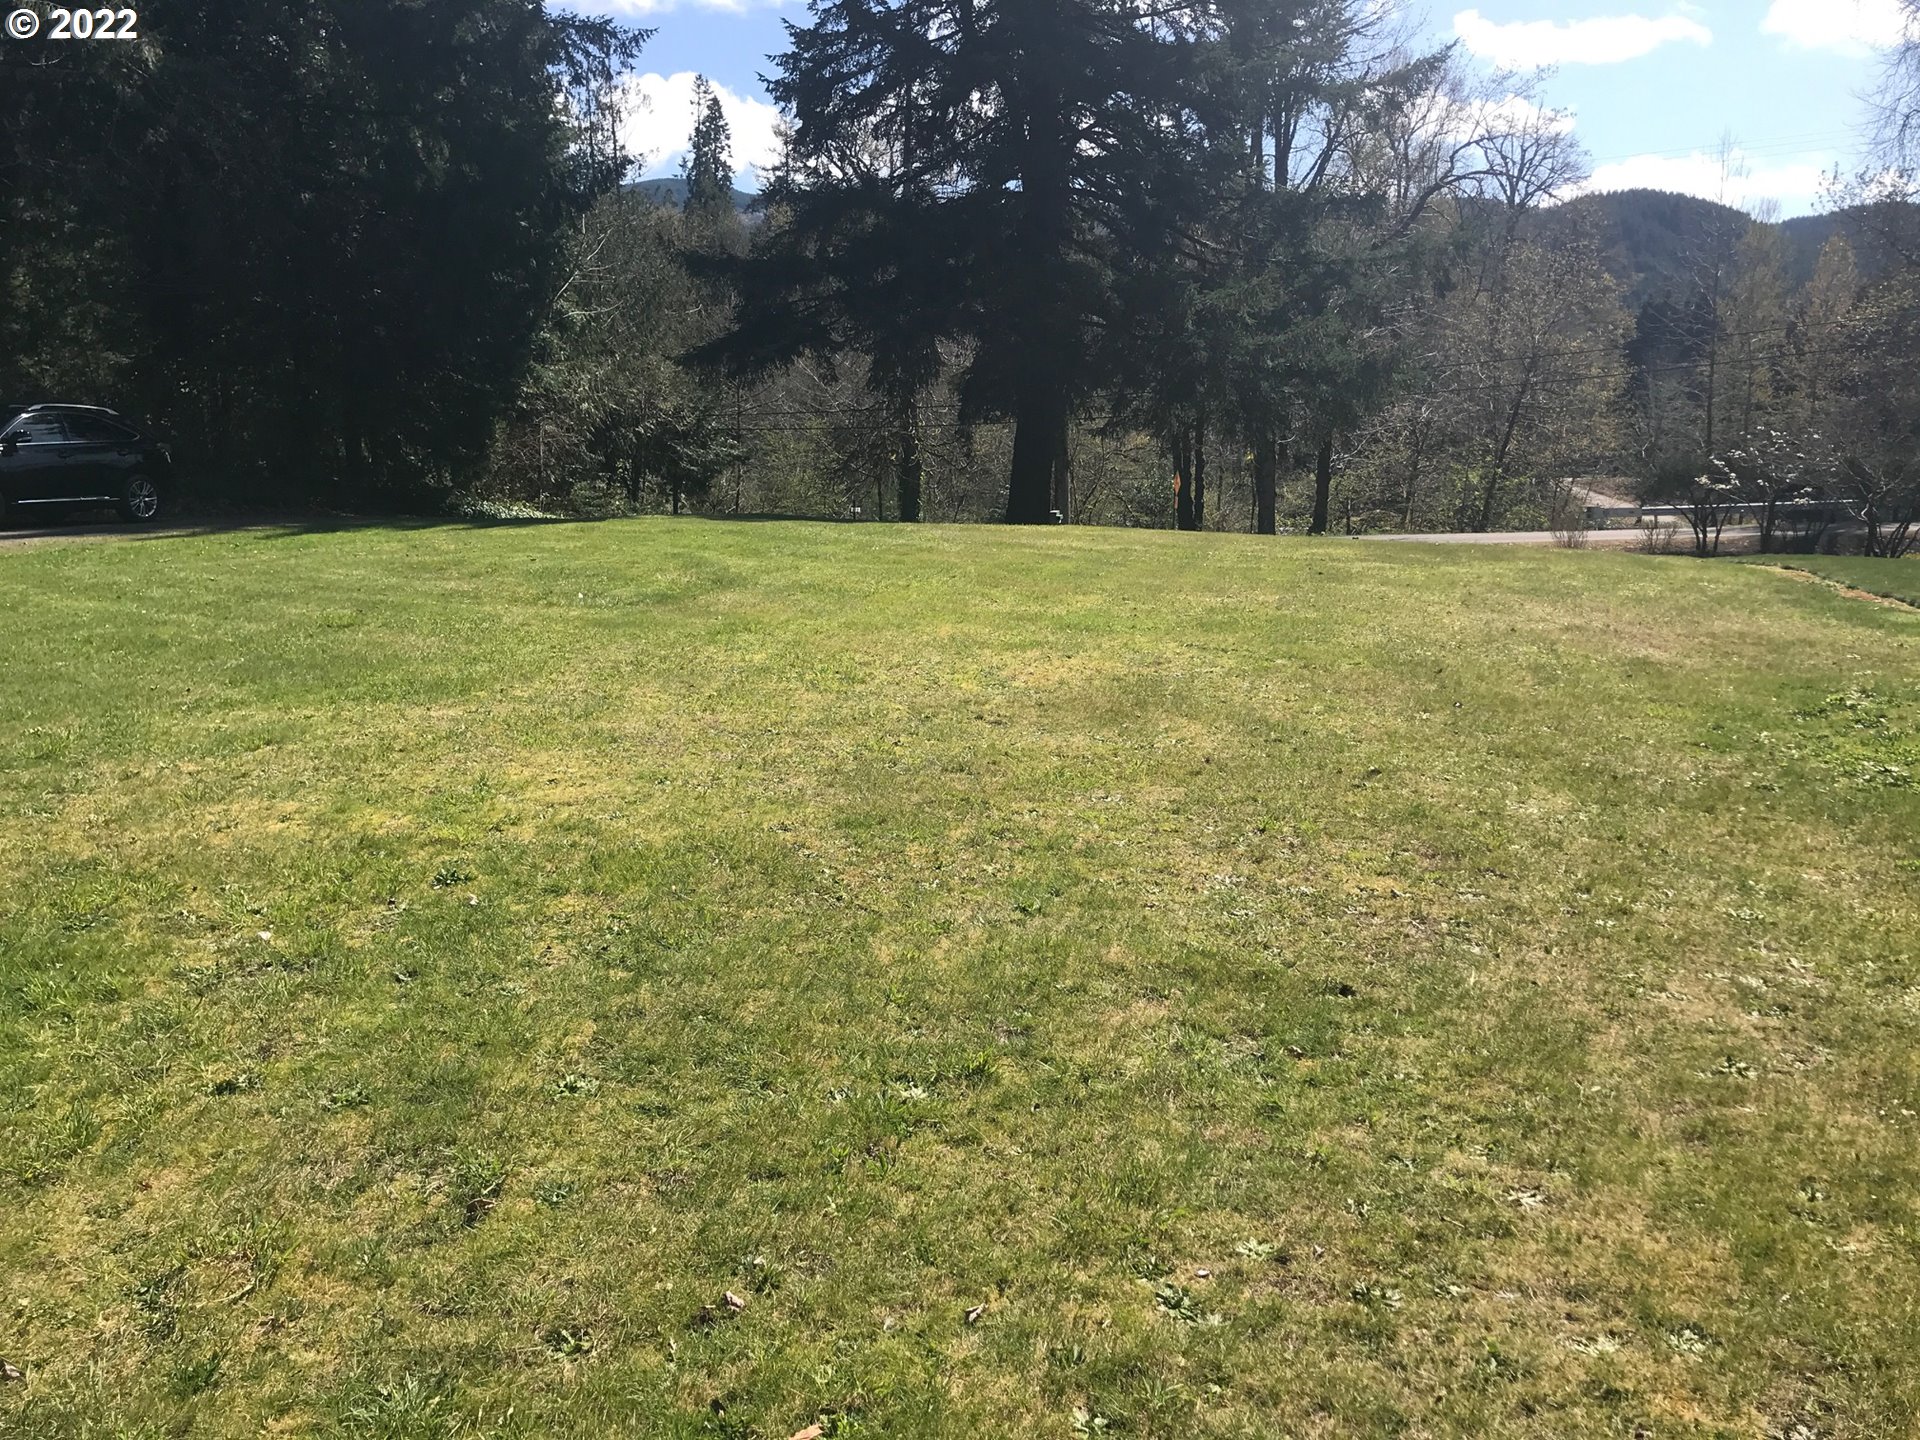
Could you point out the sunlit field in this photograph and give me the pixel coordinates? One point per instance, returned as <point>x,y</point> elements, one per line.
<point>681,979</point>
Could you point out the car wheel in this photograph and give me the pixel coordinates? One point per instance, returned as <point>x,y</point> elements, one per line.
<point>140,501</point>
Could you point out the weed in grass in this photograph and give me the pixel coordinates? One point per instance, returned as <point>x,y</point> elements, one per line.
<point>41,1154</point>
<point>195,1376</point>
<point>553,1192</point>
<point>573,1085</point>
<point>158,1298</point>
<point>1689,1340</point>
<point>1376,1296</point>
<point>474,1186</point>
<point>414,1407</point>
<point>1179,1302</point>
<point>567,1342</point>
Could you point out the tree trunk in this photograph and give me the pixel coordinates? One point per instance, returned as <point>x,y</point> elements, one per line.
<point>1039,440</point>
<point>911,472</point>
<point>1489,496</point>
<point>1322,486</point>
<point>1497,466</point>
<point>1045,322</point>
<point>1416,461</point>
<point>1265,483</point>
<point>1713,376</point>
<point>1183,480</point>
<point>1200,472</point>
<point>1063,478</point>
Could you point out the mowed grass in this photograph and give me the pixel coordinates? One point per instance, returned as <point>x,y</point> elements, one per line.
<point>1054,983</point>
<point>1891,579</point>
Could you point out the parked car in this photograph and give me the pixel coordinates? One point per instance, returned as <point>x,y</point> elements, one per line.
<point>71,457</point>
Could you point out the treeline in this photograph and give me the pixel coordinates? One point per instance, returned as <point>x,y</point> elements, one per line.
<point>316,242</point>
<point>1231,265</point>
<point>1797,405</point>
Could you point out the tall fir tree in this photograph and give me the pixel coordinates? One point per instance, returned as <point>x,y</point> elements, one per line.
<point>708,168</point>
<point>982,170</point>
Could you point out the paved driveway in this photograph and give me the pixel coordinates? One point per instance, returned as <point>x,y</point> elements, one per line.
<point>1734,537</point>
<point>106,531</point>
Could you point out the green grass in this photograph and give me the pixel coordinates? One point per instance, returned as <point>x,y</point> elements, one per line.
<point>1892,579</point>
<point>1057,983</point>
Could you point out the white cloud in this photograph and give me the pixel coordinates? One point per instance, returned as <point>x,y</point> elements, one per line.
<point>659,122</point>
<point>1606,40</point>
<point>1797,184</point>
<point>1849,26</point>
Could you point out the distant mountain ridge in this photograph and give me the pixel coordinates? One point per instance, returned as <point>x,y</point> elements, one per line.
<point>672,190</point>
<point>1648,237</point>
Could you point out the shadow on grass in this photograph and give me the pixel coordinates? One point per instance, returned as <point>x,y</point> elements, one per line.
<point>285,528</point>
<point>269,526</point>
<point>285,525</point>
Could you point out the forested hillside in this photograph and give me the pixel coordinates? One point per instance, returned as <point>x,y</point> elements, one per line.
<point>1650,237</point>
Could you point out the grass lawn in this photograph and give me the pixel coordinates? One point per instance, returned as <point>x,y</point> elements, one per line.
<point>1893,579</point>
<point>683,979</point>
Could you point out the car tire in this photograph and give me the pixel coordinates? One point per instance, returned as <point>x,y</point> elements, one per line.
<point>140,501</point>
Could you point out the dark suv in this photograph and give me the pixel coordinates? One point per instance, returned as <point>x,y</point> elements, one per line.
<point>70,457</point>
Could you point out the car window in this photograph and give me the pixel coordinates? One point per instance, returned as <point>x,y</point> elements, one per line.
<point>96,430</point>
<point>38,430</point>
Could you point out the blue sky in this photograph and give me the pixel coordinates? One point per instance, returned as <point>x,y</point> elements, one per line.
<point>1652,89</point>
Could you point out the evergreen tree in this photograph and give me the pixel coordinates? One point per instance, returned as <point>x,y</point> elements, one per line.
<point>708,168</point>
<point>984,170</point>
<point>331,230</point>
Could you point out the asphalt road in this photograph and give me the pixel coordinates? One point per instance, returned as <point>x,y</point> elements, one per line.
<point>1681,541</point>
